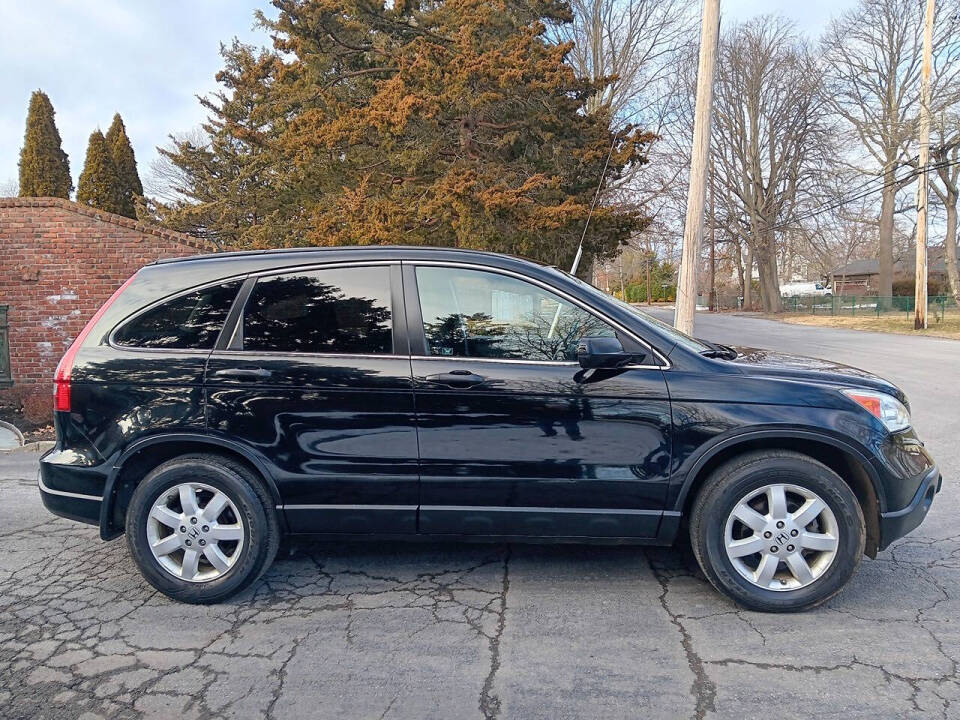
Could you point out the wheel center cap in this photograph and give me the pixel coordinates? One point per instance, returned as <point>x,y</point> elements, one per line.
<point>782,537</point>
<point>193,533</point>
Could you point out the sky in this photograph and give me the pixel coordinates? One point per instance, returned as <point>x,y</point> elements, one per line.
<point>149,60</point>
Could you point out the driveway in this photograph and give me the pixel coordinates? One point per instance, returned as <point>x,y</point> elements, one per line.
<point>428,631</point>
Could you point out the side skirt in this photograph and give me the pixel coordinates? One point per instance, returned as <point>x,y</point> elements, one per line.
<point>479,539</point>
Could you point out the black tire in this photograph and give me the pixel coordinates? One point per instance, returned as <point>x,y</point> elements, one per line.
<point>731,482</point>
<point>257,515</point>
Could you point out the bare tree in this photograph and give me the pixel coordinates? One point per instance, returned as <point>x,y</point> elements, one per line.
<point>631,42</point>
<point>945,156</point>
<point>10,188</point>
<point>837,230</point>
<point>769,132</point>
<point>873,60</point>
<point>633,46</point>
<point>165,180</point>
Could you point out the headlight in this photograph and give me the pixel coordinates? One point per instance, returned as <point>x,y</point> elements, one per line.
<point>886,408</point>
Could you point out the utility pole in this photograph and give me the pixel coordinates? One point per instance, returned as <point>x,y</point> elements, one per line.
<point>713,243</point>
<point>920,296</point>
<point>699,157</point>
<point>649,257</point>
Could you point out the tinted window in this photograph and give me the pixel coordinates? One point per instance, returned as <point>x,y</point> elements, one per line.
<point>346,310</point>
<point>190,321</point>
<point>471,313</point>
<point>669,330</point>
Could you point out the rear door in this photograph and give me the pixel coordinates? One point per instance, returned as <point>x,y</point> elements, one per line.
<point>517,439</point>
<point>315,377</point>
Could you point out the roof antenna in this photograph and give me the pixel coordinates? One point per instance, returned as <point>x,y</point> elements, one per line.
<point>576,259</point>
<point>593,205</point>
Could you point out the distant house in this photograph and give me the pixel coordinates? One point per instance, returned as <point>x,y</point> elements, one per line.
<point>862,277</point>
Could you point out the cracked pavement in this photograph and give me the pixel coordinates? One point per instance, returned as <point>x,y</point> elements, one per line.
<point>388,630</point>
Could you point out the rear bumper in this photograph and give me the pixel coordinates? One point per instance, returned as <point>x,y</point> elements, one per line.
<point>75,506</point>
<point>897,523</point>
<point>73,492</point>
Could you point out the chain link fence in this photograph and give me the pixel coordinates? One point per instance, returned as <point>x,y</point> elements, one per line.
<point>854,305</point>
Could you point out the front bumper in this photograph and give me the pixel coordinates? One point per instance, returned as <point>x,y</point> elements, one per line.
<point>897,523</point>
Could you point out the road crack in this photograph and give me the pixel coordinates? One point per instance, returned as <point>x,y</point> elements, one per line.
<point>489,702</point>
<point>703,689</point>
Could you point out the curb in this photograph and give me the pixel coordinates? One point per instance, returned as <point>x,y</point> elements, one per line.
<point>14,430</point>
<point>38,446</point>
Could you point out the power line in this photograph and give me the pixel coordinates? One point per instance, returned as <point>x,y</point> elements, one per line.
<point>916,172</point>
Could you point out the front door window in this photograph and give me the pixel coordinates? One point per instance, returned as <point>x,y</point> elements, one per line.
<point>477,314</point>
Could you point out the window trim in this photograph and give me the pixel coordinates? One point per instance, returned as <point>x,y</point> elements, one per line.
<point>398,330</point>
<point>123,322</point>
<point>418,334</point>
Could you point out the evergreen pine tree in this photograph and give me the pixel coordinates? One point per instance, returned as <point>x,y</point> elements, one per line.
<point>99,184</point>
<point>456,123</point>
<point>44,166</point>
<point>121,151</point>
<point>226,182</point>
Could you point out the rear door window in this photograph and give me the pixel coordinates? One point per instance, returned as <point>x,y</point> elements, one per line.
<point>188,322</point>
<point>335,310</point>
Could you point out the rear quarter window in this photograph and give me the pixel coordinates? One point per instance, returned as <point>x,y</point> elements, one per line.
<point>188,322</point>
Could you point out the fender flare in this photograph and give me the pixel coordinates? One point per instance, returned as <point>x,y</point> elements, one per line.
<point>200,439</point>
<point>729,441</point>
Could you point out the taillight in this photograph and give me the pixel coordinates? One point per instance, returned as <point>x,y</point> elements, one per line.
<point>61,379</point>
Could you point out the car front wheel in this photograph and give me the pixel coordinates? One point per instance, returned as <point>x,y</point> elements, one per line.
<point>201,528</point>
<point>777,531</point>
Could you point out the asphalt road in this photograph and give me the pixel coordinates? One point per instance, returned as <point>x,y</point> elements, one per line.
<point>427,631</point>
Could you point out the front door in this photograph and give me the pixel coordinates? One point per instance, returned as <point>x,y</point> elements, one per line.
<point>316,379</point>
<point>515,438</point>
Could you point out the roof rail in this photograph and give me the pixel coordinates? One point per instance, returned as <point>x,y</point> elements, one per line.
<point>332,249</point>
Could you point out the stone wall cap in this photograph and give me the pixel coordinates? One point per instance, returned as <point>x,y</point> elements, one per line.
<point>112,218</point>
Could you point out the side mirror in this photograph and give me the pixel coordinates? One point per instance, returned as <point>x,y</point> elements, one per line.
<point>604,352</point>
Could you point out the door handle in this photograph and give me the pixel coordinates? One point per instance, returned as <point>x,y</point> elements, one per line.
<point>243,373</point>
<point>456,378</point>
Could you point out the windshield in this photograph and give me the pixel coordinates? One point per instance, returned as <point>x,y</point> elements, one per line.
<point>680,338</point>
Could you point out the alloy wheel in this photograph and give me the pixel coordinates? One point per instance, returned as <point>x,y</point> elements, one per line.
<point>781,537</point>
<point>194,532</point>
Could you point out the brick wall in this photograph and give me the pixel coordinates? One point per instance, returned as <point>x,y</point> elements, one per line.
<point>59,261</point>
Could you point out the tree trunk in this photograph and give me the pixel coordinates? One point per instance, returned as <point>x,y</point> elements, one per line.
<point>767,267</point>
<point>950,246</point>
<point>747,277</point>
<point>885,239</point>
<point>738,260</point>
<point>623,290</point>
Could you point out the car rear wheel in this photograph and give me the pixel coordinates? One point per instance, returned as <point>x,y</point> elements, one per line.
<point>777,531</point>
<point>201,528</point>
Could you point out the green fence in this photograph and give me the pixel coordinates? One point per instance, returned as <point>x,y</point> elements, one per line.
<point>854,305</point>
<point>638,293</point>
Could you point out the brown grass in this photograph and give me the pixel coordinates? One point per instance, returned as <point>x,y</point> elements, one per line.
<point>900,323</point>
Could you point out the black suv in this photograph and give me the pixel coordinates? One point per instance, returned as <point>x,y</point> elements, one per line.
<point>215,403</point>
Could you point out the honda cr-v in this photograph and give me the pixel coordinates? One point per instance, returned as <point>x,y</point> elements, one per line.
<point>216,403</point>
